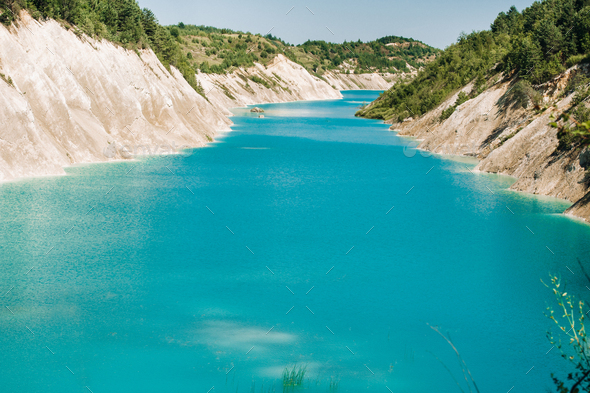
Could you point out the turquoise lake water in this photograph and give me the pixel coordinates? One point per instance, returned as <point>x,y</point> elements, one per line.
<point>306,238</point>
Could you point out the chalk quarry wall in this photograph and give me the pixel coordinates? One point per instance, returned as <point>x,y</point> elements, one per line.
<point>65,98</point>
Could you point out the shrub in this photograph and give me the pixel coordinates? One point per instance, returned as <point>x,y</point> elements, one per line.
<point>447,113</point>
<point>204,67</point>
<point>461,98</point>
<point>478,86</point>
<point>576,59</point>
<point>7,79</point>
<point>570,320</point>
<point>581,114</point>
<point>259,80</point>
<point>582,93</point>
<point>521,95</point>
<point>579,80</point>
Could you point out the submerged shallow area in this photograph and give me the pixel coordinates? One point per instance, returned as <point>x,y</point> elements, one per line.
<point>307,238</point>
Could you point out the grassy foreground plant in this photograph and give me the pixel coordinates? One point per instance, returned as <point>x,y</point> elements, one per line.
<point>576,350</point>
<point>293,377</point>
<point>469,381</point>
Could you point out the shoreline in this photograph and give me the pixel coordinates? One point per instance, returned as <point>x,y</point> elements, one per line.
<point>509,142</point>
<point>225,132</point>
<point>90,94</point>
<point>137,158</point>
<point>442,156</point>
<point>474,171</point>
<point>526,193</point>
<point>477,171</point>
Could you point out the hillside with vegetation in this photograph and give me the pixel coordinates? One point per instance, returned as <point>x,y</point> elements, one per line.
<point>529,47</point>
<point>192,48</point>
<point>214,50</point>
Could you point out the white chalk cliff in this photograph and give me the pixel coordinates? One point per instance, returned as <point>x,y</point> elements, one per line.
<point>64,98</point>
<point>509,141</point>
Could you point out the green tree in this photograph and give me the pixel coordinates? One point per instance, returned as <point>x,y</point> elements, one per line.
<point>149,22</point>
<point>548,36</point>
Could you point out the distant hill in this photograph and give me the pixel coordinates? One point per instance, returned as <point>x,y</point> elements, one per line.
<point>214,50</point>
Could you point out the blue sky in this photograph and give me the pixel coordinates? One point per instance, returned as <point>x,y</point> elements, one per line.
<point>437,23</point>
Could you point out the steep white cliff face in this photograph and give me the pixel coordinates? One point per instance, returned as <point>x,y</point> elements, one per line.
<point>372,81</point>
<point>509,141</point>
<point>281,81</point>
<point>67,98</point>
<point>71,97</point>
